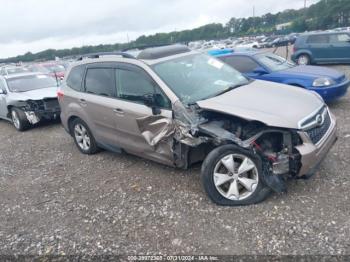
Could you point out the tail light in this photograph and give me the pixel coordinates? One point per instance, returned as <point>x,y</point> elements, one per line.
<point>294,49</point>
<point>60,94</point>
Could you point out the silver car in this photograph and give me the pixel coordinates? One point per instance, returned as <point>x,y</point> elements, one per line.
<point>28,98</point>
<point>180,107</point>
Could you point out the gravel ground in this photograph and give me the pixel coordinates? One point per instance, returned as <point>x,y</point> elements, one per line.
<point>54,200</point>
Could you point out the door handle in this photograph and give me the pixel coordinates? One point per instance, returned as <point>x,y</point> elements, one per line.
<point>83,102</point>
<point>118,111</point>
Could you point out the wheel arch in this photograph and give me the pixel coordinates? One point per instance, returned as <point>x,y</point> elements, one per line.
<point>70,121</point>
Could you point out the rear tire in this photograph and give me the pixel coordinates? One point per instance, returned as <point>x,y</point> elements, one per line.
<point>83,137</point>
<point>19,119</point>
<point>233,187</point>
<point>303,59</point>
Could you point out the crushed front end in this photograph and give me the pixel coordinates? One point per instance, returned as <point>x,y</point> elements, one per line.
<point>38,110</point>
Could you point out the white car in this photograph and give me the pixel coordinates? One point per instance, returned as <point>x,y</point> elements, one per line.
<point>249,45</point>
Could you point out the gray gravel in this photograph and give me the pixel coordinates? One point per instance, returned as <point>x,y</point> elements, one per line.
<point>55,200</point>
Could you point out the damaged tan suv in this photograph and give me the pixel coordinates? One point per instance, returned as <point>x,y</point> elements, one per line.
<point>179,107</point>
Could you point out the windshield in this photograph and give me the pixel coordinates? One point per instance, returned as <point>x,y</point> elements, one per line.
<point>31,82</point>
<point>16,70</point>
<point>198,77</point>
<point>274,62</point>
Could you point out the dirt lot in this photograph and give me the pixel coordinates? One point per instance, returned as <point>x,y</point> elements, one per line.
<point>55,200</point>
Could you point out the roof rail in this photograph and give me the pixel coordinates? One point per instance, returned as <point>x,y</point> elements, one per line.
<point>98,55</point>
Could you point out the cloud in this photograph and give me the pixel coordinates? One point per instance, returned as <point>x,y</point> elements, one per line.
<point>34,25</point>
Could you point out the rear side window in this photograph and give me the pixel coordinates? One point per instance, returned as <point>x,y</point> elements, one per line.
<point>318,39</point>
<point>75,77</point>
<point>100,81</point>
<point>340,38</point>
<point>241,63</point>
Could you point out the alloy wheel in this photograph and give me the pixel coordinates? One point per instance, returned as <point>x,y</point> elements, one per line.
<point>236,177</point>
<point>82,137</point>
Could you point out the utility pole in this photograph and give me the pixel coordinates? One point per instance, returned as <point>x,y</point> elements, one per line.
<point>253,11</point>
<point>304,4</point>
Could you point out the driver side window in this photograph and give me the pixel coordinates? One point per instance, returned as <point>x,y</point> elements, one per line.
<point>133,85</point>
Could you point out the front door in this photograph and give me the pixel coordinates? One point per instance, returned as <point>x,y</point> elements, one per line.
<point>133,83</point>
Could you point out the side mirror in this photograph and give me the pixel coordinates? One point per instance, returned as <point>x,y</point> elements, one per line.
<point>260,71</point>
<point>150,101</point>
<point>3,92</point>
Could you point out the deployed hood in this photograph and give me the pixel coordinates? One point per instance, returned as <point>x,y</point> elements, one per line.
<point>37,94</point>
<point>274,104</point>
<point>314,72</point>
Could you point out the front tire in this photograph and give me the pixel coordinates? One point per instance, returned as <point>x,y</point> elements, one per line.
<point>232,176</point>
<point>19,119</point>
<point>83,137</point>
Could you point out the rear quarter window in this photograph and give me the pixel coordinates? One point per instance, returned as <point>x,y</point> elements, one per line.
<point>75,78</point>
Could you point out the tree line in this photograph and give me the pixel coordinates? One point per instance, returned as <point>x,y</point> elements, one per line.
<point>326,14</point>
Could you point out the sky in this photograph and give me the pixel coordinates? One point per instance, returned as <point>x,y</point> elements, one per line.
<point>36,25</point>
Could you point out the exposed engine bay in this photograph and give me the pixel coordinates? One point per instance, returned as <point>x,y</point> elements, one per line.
<point>194,132</point>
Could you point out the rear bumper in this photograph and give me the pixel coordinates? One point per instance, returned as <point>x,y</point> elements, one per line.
<point>333,92</point>
<point>311,154</point>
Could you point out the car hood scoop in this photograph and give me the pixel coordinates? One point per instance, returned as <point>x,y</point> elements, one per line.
<point>274,104</point>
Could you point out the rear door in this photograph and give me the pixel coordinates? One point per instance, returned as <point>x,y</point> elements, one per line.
<point>340,45</point>
<point>98,101</point>
<point>319,45</point>
<point>132,84</point>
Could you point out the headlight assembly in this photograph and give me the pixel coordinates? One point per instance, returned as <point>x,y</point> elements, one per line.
<point>323,81</point>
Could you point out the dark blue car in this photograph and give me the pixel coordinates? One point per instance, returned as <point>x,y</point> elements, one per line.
<point>329,83</point>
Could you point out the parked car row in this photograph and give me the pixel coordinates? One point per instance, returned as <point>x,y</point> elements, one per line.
<point>320,47</point>
<point>328,83</point>
<point>54,69</point>
<point>181,107</point>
